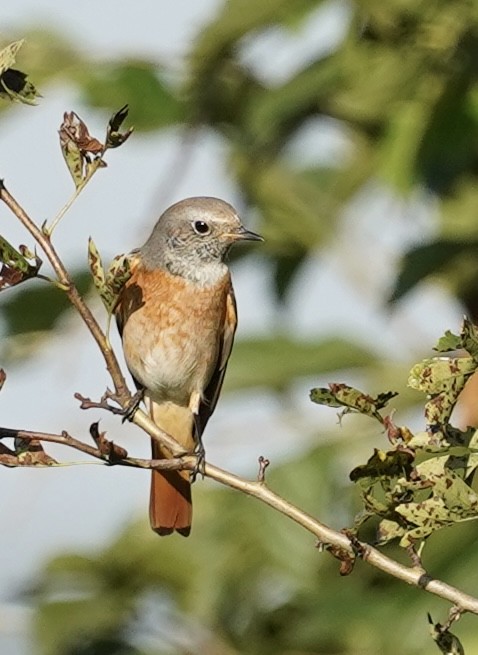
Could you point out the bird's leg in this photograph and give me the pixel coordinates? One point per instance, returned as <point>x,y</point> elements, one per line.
<point>199,451</point>
<point>133,405</point>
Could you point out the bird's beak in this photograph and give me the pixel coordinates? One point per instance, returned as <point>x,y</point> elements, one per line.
<point>241,234</point>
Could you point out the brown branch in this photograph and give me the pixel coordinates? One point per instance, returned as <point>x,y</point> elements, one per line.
<point>71,291</point>
<point>122,394</point>
<point>65,439</point>
<point>258,489</point>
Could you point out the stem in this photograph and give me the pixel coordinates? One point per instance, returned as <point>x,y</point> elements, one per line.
<point>48,231</point>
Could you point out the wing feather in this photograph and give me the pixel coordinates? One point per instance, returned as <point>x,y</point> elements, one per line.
<point>213,389</point>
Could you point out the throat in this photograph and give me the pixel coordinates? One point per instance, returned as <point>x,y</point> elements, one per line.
<point>205,274</point>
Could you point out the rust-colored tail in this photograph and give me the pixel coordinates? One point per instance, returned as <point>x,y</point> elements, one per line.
<point>170,506</point>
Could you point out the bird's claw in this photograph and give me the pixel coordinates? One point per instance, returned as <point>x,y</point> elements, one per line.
<point>200,453</point>
<point>132,406</point>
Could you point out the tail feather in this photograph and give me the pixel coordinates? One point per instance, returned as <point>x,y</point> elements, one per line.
<point>170,506</point>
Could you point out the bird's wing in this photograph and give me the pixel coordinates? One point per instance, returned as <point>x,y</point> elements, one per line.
<point>226,339</point>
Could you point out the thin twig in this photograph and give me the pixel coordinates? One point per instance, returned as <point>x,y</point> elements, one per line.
<point>48,230</point>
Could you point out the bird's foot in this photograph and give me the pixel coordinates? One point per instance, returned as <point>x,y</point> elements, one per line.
<point>133,405</point>
<point>200,453</point>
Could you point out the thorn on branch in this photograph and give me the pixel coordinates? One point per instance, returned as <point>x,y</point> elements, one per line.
<point>263,464</point>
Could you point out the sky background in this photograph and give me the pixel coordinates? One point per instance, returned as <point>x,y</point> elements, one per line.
<point>85,506</point>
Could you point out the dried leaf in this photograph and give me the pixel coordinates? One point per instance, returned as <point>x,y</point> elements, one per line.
<point>7,456</point>
<point>107,448</point>
<point>115,138</point>
<point>77,145</point>
<point>15,267</point>
<point>30,452</point>
<point>3,377</point>
<point>345,557</point>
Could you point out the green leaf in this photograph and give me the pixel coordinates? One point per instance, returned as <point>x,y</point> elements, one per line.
<point>341,395</point>
<point>447,342</point>
<point>423,261</point>
<point>139,84</point>
<point>38,308</point>
<point>469,338</point>
<point>393,463</point>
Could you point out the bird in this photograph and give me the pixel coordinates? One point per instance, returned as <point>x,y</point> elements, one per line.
<point>177,319</point>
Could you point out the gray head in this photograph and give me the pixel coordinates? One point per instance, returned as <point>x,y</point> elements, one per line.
<point>195,232</point>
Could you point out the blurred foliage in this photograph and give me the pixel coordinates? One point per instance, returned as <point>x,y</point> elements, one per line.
<point>38,307</point>
<point>402,87</point>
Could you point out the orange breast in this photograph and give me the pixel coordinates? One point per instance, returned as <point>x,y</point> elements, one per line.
<point>171,332</point>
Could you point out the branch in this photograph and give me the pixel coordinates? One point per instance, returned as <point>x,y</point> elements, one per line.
<point>122,394</point>
<point>331,539</point>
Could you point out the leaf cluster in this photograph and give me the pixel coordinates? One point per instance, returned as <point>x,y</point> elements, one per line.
<point>424,482</point>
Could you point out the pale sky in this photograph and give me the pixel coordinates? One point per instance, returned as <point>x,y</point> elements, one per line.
<point>45,511</point>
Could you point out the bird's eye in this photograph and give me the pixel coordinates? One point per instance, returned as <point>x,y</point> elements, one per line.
<point>200,227</point>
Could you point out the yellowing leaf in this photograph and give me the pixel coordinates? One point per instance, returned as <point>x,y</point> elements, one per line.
<point>108,284</point>
<point>341,395</point>
<point>8,55</point>
<point>77,145</point>
<point>441,374</point>
<point>13,83</point>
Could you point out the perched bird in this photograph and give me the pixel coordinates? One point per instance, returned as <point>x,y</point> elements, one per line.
<point>177,319</point>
